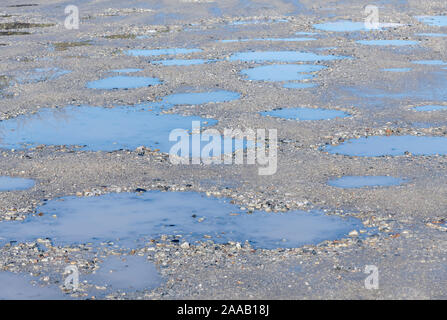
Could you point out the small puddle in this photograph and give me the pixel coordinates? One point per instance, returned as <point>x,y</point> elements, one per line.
<point>396,43</point>
<point>282,72</point>
<point>268,40</point>
<point>436,21</point>
<point>14,184</point>
<point>181,62</point>
<point>430,62</point>
<point>351,26</point>
<point>430,108</point>
<point>250,22</point>
<point>122,82</point>
<point>299,85</point>
<point>129,70</point>
<point>306,114</point>
<point>19,287</point>
<point>130,217</point>
<point>126,273</point>
<point>432,35</point>
<point>397,69</point>
<point>283,56</point>
<point>198,98</point>
<point>160,52</point>
<point>365,181</point>
<point>376,146</point>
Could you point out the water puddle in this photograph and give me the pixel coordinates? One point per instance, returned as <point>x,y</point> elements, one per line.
<point>397,69</point>
<point>396,43</point>
<point>432,35</point>
<point>376,146</point>
<point>130,217</point>
<point>181,62</point>
<point>299,85</point>
<point>430,62</point>
<point>436,21</point>
<point>282,56</point>
<point>94,128</point>
<point>126,273</point>
<point>198,98</point>
<point>351,26</point>
<point>365,181</point>
<point>251,22</point>
<point>19,287</point>
<point>129,70</point>
<point>122,82</point>
<point>282,72</point>
<point>306,114</point>
<point>268,40</point>
<point>160,52</point>
<point>430,108</point>
<point>14,184</point>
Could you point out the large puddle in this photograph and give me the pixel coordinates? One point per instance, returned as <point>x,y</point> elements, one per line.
<point>198,98</point>
<point>430,108</point>
<point>19,287</point>
<point>376,146</point>
<point>160,52</point>
<point>282,72</point>
<point>127,217</point>
<point>122,82</point>
<point>95,128</point>
<point>283,56</point>
<point>436,21</point>
<point>126,273</point>
<point>14,184</point>
<point>396,43</point>
<point>365,181</point>
<point>305,114</point>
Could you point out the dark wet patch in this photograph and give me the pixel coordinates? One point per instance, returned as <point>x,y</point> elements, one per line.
<point>23,5</point>
<point>376,146</point>
<point>121,36</point>
<point>123,82</point>
<point>129,273</point>
<point>14,184</point>
<point>130,216</point>
<point>23,25</point>
<point>62,46</point>
<point>13,33</point>
<point>365,181</point>
<point>305,114</point>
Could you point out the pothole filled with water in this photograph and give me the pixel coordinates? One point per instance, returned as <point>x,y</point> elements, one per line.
<point>127,217</point>
<point>430,108</point>
<point>375,146</point>
<point>305,114</point>
<point>365,181</point>
<point>283,56</point>
<point>125,273</point>
<point>123,82</point>
<point>160,52</point>
<point>14,184</point>
<point>282,72</point>
<point>396,43</point>
<point>20,287</point>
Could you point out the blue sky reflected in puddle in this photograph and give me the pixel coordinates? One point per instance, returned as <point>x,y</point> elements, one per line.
<point>365,181</point>
<point>436,21</point>
<point>160,52</point>
<point>122,82</point>
<point>281,72</point>
<point>305,114</point>
<point>14,184</point>
<point>341,26</point>
<point>430,62</point>
<point>430,108</point>
<point>181,62</point>
<point>19,287</point>
<point>128,273</point>
<point>375,146</point>
<point>397,69</point>
<point>268,40</point>
<point>129,70</point>
<point>397,43</point>
<point>130,216</point>
<point>432,35</point>
<point>283,56</point>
